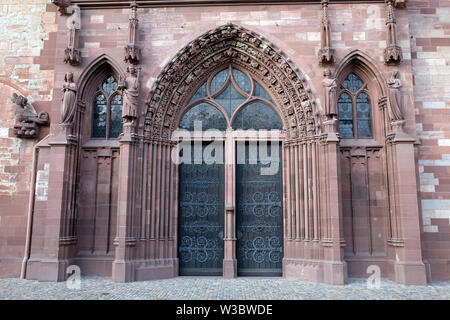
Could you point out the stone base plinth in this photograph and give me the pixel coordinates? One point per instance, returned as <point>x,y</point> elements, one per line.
<point>411,273</point>
<point>154,269</point>
<point>47,270</point>
<point>315,271</point>
<point>230,268</point>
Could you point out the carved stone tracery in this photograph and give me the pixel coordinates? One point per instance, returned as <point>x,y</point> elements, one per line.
<point>326,53</point>
<point>72,53</point>
<point>132,51</point>
<point>229,44</point>
<point>393,52</point>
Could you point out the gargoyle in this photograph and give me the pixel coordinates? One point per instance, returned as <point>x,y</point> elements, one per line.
<point>27,120</point>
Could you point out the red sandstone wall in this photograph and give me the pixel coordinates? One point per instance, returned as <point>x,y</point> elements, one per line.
<point>27,33</point>
<point>430,50</point>
<point>27,65</point>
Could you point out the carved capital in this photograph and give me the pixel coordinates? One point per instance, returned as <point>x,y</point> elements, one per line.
<point>393,55</point>
<point>72,56</point>
<point>330,126</point>
<point>397,126</point>
<point>326,55</point>
<point>132,54</point>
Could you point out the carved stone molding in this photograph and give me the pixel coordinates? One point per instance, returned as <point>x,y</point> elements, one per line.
<point>382,103</point>
<point>393,52</point>
<point>132,51</point>
<point>96,4</point>
<point>326,53</point>
<point>72,53</point>
<point>236,45</point>
<point>28,122</point>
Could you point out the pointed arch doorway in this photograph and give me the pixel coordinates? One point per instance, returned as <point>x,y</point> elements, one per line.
<point>291,227</point>
<point>246,171</point>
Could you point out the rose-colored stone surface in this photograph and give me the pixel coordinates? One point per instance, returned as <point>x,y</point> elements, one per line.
<point>108,204</point>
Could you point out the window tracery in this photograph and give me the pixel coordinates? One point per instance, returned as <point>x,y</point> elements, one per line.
<point>231,96</point>
<point>107,110</point>
<point>354,107</point>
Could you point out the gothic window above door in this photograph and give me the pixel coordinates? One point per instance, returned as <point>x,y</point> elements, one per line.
<point>107,110</point>
<point>355,120</point>
<point>231,98</point>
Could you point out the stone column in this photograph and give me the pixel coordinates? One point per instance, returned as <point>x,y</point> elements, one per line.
<point>335,268</point>
<point>229,261</point>
<point>408,266</point>
<point>123,267</point>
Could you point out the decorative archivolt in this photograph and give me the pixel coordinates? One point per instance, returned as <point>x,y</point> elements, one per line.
<point>236,45</point>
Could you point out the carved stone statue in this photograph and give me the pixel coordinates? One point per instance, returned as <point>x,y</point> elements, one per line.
<point>68,105</point>
<point>394,96</point>
<point>130,90</point>
<point>27,120</point>
<point>330,86</point>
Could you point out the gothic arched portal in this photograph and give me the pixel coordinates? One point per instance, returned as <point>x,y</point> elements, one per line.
<point>306,207</point>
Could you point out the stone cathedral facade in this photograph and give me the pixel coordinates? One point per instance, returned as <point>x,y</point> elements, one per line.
<point>352,96</point>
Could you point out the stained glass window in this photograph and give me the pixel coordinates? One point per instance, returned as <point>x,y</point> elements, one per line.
<point>115,128</point>
<point>201,93</point>
<point>345,116</point>
<point>242,80</point>
<point>257,116</point>
<point>260,92</point>
<point>352,83</point>
<point>363,116</point>
<point>107,111</point>
<point>99,127</point>
<point>203,117</point>
<point>232,89</point>
<point>109,85</point>
<point>230,99</point>
<point>354,109</point>
<point>218,81</point>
